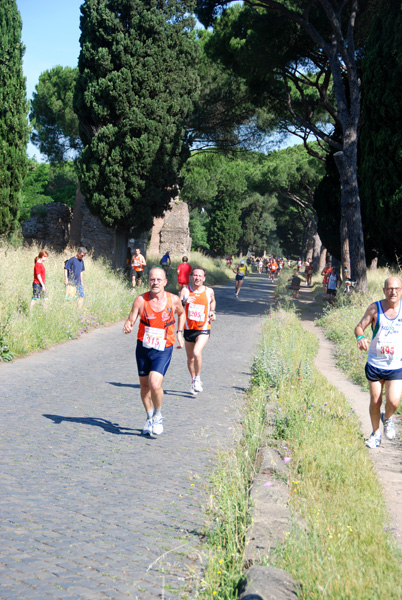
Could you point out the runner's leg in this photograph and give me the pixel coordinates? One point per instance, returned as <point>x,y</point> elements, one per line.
<point>197,350</point>
<point>151,390</point>
<point>393,391</point>
<point>375,402</point>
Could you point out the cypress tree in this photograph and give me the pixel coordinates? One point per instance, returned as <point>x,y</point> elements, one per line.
<point>136,85</point>
<point>13,116</point>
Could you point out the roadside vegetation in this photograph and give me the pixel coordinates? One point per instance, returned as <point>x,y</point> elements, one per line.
<point>340,544</point>
<point>108,298</point>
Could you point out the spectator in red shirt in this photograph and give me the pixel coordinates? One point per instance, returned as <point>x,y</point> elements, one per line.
<point>184,271</point>
<point>39,282</point>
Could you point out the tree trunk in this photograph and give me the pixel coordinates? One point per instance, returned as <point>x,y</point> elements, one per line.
<point>346,163</point>
<point>323,259</point>
<point>345,254</point>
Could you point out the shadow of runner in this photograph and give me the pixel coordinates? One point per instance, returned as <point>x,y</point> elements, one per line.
<point>95,422</point>
<point>128,385</point>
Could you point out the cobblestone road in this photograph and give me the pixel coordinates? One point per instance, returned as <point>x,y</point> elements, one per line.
<point>90,509</point>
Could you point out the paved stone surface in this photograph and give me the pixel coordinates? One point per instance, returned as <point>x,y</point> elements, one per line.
<point>90,509</point>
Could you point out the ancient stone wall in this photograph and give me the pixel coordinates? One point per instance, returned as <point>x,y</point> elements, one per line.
<point>48,226</point>
<point>172,233</point>
<point>54,226</point>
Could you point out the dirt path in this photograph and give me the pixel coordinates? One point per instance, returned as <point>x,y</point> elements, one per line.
<point>387,458</point>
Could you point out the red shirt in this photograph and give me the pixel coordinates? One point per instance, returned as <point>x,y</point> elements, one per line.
<point>39,269</point>
<point>184,271</point>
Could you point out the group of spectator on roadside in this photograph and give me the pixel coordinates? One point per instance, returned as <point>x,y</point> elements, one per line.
<point>73,277</point>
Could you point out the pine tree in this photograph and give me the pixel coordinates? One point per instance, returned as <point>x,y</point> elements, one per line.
<point>13,116</point>
<point>135,90</point>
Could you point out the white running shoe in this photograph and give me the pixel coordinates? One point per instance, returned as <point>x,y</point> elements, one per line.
<point>157,427</point>
<point>147,429</point>
<point>389,429</point>
<point>197,384</point>
<point>193,391</point>
<point>374,440</point>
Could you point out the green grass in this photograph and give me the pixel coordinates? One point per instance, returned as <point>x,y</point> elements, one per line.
<point>339,545</point>
<point>228,504</point>
<point>345,548</point>
<point>108,299</point>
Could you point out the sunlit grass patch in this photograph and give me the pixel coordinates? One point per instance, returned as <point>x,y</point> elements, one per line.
<point>344,549</point>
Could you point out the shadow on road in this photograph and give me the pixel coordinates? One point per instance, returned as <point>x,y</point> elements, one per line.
<point>128,385</point>
<point>95,422</point>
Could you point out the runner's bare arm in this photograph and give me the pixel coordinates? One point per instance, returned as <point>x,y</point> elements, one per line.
<point>136,310</point>
<point>370,316</point>
<point>212,304</point>
<point>184,294</point>
<point>179,310</point>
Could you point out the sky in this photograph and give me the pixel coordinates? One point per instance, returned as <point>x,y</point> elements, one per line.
<point>50,33</point>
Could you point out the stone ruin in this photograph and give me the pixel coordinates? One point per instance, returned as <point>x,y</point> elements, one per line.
<point>49,225</point>
<point>171,233</point>
<point>54,225</point>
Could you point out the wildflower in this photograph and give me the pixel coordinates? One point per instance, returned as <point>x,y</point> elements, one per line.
<point>287,459</point>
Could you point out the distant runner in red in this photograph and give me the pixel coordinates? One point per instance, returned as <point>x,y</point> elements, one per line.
<point>184,271</point>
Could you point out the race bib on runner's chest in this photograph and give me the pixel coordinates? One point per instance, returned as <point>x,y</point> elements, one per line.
<point>386,351</point>
<point>196,312</point>
<point>154,338</point>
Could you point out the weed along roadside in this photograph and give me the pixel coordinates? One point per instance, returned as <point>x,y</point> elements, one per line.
<point>330,532</point>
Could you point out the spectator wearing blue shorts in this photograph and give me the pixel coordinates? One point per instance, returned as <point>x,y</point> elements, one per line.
<point>156,311</point>
<point>73,276</point>
<point>384,359</point>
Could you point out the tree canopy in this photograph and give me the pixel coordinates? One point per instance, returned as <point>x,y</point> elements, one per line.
<point>13,116</point>
<point>306,56</point>
<point>135,90</point>
<point>54,122</point>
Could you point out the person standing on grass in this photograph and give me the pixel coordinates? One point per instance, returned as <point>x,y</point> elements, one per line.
<point>184,271</point>
<point>39,281</point>
<point>241,272</point>
<point>156,310</point>
<point>200,304</point>
<point>166,262</point>
<point>138,263</point>
<point>73,276</point>
<point>384,360</point>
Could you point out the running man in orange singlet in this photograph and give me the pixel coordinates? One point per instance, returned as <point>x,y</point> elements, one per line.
<point>199,302</point>
<point>156,310</point>
<point>138,263</point>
